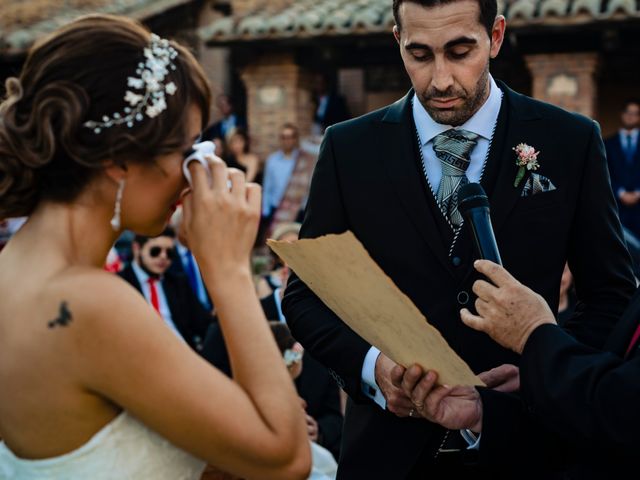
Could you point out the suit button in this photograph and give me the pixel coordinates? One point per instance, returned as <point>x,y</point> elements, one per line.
<point>463,297</point>
<point>456,261</point>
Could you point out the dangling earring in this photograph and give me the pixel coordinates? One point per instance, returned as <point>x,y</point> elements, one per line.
<point>115,220</point>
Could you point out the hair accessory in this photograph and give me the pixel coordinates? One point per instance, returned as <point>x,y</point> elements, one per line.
<point>291,357</point>
<point>150,100</point>
<point>115,220</point>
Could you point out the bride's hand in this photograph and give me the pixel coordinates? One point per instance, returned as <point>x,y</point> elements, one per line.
<point>221,222</point>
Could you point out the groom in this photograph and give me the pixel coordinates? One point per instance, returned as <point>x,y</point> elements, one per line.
<point>392,178</point>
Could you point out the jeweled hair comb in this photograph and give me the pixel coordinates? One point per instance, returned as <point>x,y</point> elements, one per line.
<point>150,87</point>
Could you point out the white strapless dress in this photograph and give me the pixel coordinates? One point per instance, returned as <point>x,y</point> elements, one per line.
<point>125,449</point>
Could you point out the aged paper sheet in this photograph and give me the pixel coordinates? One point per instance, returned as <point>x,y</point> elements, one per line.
<point>341,273</point>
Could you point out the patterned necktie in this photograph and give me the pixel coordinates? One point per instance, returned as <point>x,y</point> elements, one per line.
<point>453,149</point>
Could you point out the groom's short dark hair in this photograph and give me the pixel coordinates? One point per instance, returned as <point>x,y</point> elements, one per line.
<point>488,10</point>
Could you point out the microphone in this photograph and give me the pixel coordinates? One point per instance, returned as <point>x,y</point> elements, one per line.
<point>473,204</point>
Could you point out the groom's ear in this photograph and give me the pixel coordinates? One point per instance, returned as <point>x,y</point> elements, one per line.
<point>396,33</point>
<point>497,35</point>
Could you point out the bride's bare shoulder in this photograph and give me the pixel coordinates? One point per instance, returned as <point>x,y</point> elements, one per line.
<point>92,295</point>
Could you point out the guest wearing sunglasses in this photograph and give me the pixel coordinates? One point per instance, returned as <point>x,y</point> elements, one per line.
<point>169,294</point>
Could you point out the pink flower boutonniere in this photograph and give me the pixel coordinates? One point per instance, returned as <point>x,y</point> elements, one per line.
<point>527,160</point>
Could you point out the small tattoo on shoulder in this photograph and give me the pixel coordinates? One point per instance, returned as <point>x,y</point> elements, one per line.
<point>64,317</point>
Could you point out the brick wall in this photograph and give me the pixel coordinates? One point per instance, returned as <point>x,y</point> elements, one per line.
<point>567,80</point>
<point>278,92</point>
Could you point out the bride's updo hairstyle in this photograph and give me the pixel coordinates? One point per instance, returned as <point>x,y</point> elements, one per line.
<point>80,74</point>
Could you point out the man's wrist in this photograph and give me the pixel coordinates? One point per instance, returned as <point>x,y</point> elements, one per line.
<point>528,333</point>
<point>368,376</point>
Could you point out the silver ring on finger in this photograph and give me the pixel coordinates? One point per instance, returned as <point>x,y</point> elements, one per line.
<point>411,412</point>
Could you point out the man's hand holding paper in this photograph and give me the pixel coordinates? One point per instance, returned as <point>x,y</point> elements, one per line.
<point>342,274</point>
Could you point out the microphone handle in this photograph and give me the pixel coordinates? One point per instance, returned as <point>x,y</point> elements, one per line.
<point>484,237</point>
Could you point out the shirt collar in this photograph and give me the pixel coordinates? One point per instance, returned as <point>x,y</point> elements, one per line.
<point>633,132</point>
<point>481,123</point>
<point>294,154</point>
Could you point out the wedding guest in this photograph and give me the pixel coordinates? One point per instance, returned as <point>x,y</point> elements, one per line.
<point>287,176</point>
<point>331,107</point>
<point>240,156</point>
<point>93,136</point>
<point>230,119</point>
<point>623,155</point>
<point>270,287</point>
<point>170,294</point>
<point>324,466</point>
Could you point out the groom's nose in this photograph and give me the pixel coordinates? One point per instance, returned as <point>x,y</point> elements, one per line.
<point>442,78</point>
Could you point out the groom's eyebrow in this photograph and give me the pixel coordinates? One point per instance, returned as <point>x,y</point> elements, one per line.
<point>450,44</point>
<point>461,41</point>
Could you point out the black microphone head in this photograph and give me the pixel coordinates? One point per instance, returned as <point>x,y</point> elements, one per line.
<point>470,196</point>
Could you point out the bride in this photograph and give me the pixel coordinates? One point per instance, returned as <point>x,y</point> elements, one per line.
<point>92,384</point>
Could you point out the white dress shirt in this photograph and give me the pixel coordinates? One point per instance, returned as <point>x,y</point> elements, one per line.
<point>277,298</point>
<point>277,173</point>
<point>625,134</point>
<point>143,279</point>
<point>482,123</point>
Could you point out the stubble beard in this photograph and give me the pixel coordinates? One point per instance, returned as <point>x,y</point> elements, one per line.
<point>472,101</point>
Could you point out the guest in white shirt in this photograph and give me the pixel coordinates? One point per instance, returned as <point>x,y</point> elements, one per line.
<point>278,169</point>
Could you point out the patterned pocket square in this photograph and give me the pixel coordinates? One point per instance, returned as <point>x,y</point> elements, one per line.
<point>537,184</point>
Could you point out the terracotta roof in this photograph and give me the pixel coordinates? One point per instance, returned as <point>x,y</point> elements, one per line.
<point>22,22</point>
<point>318,18</point>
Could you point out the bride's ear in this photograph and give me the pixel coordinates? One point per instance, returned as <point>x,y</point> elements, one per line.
<point>115,172</point>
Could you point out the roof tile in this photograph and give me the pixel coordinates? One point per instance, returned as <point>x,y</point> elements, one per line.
<point>304,18</point>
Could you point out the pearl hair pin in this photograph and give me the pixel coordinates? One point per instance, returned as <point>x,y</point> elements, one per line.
<point>150,100</point>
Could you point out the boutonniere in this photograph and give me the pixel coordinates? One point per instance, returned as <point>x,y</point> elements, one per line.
<point>527,160</point>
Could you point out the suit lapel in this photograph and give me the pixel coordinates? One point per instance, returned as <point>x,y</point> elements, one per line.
<point>397,144</point>
<point>173,302</point>
<point>504,195</point>
<point>130,276</point>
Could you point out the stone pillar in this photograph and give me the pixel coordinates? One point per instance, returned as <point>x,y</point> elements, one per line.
<point>214,61</point>
<point>567,80</point>
<point>278,92</point>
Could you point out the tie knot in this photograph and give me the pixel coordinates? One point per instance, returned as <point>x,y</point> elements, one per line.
<point>152,281</point>
<point>454,147</point>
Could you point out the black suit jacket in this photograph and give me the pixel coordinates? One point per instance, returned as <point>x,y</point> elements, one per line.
<point>270,308</point>
<point>187,313</point>
<point>624,175</point>
<point>177,268</point>
<point>580,404</point>
<point>369,180</point>
<point>322,395</point>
